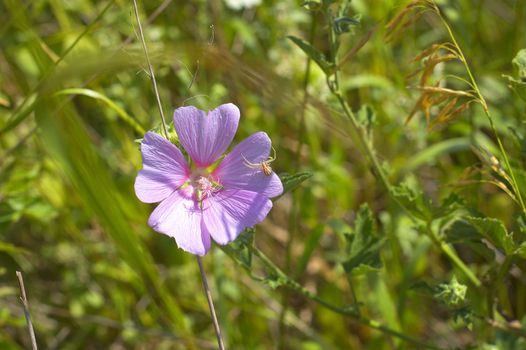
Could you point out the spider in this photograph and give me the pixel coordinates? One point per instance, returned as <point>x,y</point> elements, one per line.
<point>264,165</point>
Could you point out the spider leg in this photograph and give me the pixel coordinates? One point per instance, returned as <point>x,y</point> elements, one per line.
<point>273,158</point>
<point>250,164</point>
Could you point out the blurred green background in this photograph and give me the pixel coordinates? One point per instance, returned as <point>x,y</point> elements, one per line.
<point>75,97</point>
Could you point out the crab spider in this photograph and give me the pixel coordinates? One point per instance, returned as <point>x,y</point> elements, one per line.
<point>264,165</point>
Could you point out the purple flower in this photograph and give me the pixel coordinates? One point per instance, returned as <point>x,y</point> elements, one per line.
<point>203,199</point>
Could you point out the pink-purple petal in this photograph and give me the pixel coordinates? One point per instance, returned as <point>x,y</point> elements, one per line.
<point>240,169</point>
<point>206,136</point>
<point>229,212</point>
<point>180,217</point>
<point>164,169</point>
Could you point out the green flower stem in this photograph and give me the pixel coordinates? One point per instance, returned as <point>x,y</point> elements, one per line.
<point>206,288</point>
<point>482,101</point>
<point>368,148</point>
<point>348,312</point>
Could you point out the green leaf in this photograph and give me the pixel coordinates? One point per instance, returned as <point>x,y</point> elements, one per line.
<point>344,24</point>
<point>67,140</point>
<point>452,293</point>
<point>518,83</point>
<point>314,54</point>
<point>363,253</point>
<point>519,63</point>
<point>410,196</point>
<point>125,117</point>
<point>465,315</point>
<point>290,182</point>
<point>240,250</point>
<point>494,231</point>
<point>12,249</point>
<point>521,250</point>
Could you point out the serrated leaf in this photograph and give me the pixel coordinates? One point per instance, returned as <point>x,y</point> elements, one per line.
<point>363,253</point>
<point>410,196</point>
<point>518,83</point>
<point>519,63</point>
<point>465,315</point>
<point>314,54</point>
<point>290,182</point>
<point>521,250</point>
<point>494,231</point>
<point>452,293</point>
<point>240,250</point>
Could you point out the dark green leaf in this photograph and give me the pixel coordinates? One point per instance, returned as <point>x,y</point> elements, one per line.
<point>363,253</point>
<point>410,196</point>
<point>344,24</point>
<point>290,182</point>
<point>521,250</point>
<point>494,231</point>
<point>518,82</point>
<point>452,293</point>
<point>465,315</point>
<point>240,248</point>
<point>519,63</point>
<point>314,54</point>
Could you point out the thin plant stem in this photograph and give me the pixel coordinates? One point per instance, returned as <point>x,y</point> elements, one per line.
<point>345,311</point>
<point>165,129</point>
<point>368,148</point>
<point>208,294</point>
<point>482,101</point>
<point>150,69</point>
<point>26,311</point>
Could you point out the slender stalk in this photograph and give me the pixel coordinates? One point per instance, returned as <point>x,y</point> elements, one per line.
<point>368,148</point>
<point>165,129</point>
<point>345,311</point>
<point>217,329</point>
<point>26,310</point>
<point>482,101</point>
<point>150,68</point>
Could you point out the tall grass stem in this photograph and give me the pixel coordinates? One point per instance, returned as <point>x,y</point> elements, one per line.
<point>25,303</point>
<point>208,294</point>
<point>150,69</point>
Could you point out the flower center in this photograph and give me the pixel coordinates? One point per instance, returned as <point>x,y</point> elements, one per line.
<point>205,186</point>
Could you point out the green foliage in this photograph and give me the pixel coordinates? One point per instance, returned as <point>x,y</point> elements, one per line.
<point>290,182</point>
<point>518,82</point>
<point>436,259</point>
<point>363,252</point>
<point>314,54</point>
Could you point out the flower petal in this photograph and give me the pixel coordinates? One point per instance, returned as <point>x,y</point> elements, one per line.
<point>181,217</point>
<point>229,212</point>
<point>164,169</point>
<point>206,137</point>
<point>240,168</point>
